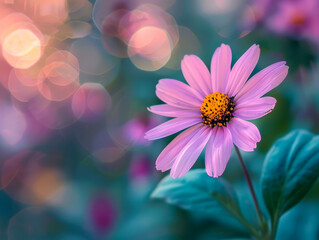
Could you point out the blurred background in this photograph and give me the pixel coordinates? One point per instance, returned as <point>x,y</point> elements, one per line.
<point>76,77</point>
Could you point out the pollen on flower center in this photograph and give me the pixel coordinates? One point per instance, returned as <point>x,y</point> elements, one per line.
<point>217,109</point>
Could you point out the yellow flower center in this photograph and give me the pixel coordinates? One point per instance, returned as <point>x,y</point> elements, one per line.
<point>217,109</point>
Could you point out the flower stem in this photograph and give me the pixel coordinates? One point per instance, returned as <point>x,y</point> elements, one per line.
<point>252,191</point>
<point>252,230</point>
<point>274,226</point>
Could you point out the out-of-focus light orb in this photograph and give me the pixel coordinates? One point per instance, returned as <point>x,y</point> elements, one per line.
<point>81,10</point>
<point>51,11</point>
<point>46,183</point>
<point>12,125</point>
<point>125,22</point>
<point>219,6</point>
<point>150,48</point>
<point>48,15</point>
<point>4,72</point>
<point>76,5</point>
<point>61,73</point>
<point>230,19</point>
<point>90,101</point>
<point>59,78</point>
<point>114,46</point>
<point>20,42</point>
<point>27,77</point>
<point>93,60</point>
<point>31,223</point>
<point>111,39</point>
<point>21,48</point>
<point>74,30</point>
<point>108,155</point>
<point>107,14</point>
<point>147,15</point>
<point>26,178</point>
<point>18,90</point>
<point>52,114</point>
<point>188,44</point>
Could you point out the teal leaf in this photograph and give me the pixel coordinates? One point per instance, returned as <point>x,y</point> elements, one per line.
<point>290,169</point>
<point>197,191</point>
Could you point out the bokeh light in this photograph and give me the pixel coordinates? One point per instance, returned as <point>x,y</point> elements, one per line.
<point>12,125</point>
<point>30,223</point>
<point>59,78</point>
<point>90,102</point>
<point>18,89</point>
<point>76,78</point>
<point>21,40</point>
<point>21,48</point>
<point>150,48</point>
<point>28,180</point>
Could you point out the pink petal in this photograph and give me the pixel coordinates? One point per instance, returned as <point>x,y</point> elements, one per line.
<point>191,151</point>
<point>170,111</point>
<point>170,127</point>
<point>245,134</point>
<point>167,157</point>
<point>242,70</point>
<point>220,68</point>
<point>218,151</point>
<point>255,109</point>
<point>264,81</point>
<point>196,74</point>
<point>178,94</point>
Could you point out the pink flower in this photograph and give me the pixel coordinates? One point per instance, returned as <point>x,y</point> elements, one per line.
<point>214,107</point>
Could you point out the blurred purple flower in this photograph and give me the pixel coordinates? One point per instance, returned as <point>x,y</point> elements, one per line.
<point>102,214</point>
<point>134,130</point>
<point>261,8</point>
<point>140,167</point>
<point>295,18</point>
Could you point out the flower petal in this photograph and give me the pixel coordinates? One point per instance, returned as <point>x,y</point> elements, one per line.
<point>170,127</point>
<point>191,151</point>
<point>170,111</point>
<point>196,74</point>
<point>220,68</point>
<point>167,157</point>
<point>218,151</point>
<point>178,94</point>
<point>245,134</point>
<point>264,81</point>
<point>242,70</point>
<point>255,109</point>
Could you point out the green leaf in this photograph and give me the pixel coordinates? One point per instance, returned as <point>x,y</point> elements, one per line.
<point>197,191</point>
<point>290,169</point>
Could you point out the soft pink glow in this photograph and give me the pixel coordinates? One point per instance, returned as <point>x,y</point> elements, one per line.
<point>12,125</point>
<point>20,91</point>
<point>90,101</point>
<point>52,114</point>
<point>26,180</point>
<point>21,40</point>
<point>59,78</point>
<point>47,14</point>
<point>150,48</point>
